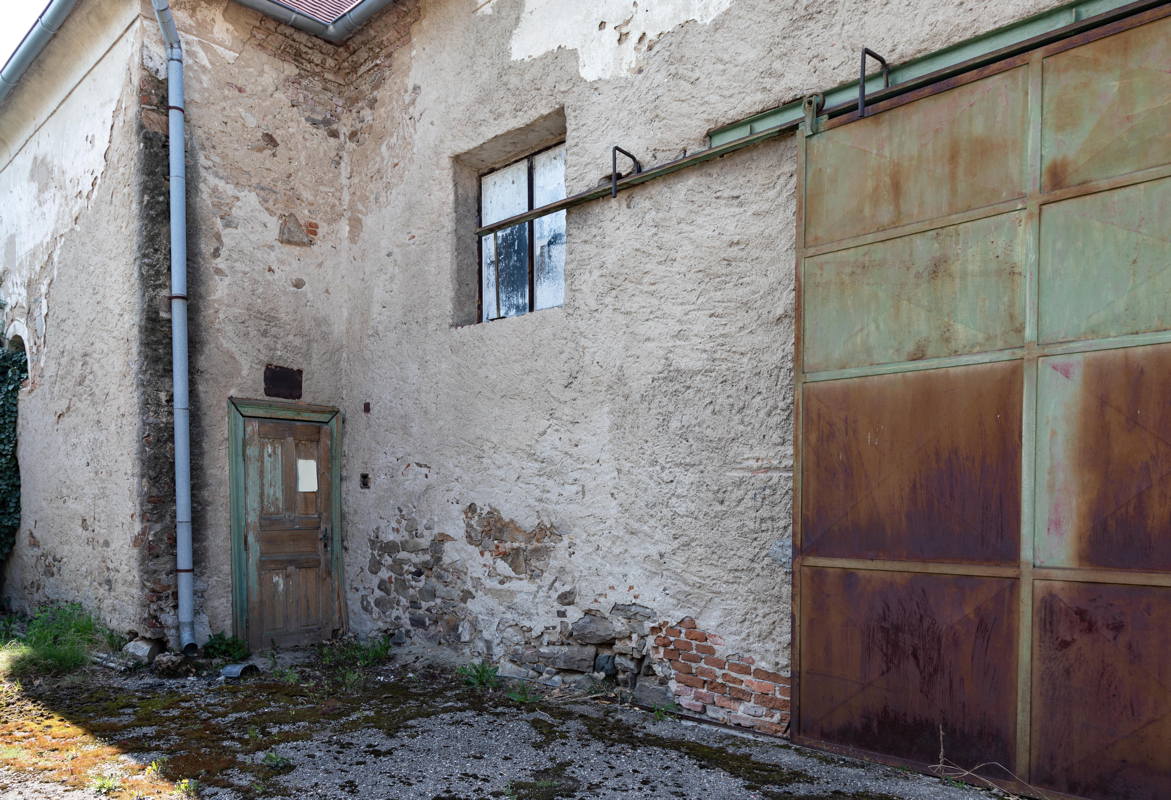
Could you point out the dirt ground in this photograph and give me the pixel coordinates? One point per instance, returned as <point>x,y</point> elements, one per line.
<point>405,729</point>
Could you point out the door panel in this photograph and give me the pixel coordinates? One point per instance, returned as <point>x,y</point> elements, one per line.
<point>292,587</point>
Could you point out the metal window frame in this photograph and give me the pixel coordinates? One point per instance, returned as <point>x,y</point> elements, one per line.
<point>482,231</point>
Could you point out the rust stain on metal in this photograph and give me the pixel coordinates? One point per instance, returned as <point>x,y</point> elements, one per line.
<point>892,661</point>
<point>1102,691</point>
<point>914,466</point>
<point>1090,131</point>
<point>960,150</point>
<point>1122,468</point>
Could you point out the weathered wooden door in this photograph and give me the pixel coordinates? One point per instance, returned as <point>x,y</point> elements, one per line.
<point>291,573</point>
<point>983,565</point>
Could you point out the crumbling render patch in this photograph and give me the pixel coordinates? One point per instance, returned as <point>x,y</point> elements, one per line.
<point>609,36</point>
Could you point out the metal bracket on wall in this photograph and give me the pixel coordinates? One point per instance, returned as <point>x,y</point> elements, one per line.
<point>614,167</point>
<point>866,51</point>
<point>812,106</point>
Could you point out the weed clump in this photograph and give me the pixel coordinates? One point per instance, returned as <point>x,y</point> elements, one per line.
<point>58,639</point>
<point>479,674</point>
<point>226,647</point>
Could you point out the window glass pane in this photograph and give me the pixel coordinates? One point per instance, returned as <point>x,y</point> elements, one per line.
<point>488,278</point>
<point>512,269</point>
<point>504,192</point>
<point>549,260</point>
<point>549,176</point>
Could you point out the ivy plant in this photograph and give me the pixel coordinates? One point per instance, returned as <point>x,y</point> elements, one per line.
<point>13,371</point>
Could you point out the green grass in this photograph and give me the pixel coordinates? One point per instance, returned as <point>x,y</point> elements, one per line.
<point>58,639</point>
<point>226,647</point>
<point>481,674</point>
<point>350,653</point>
<point>105,784</point>
<point>524,693</point>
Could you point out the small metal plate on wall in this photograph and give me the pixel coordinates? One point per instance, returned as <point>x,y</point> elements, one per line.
<point>283,382</point>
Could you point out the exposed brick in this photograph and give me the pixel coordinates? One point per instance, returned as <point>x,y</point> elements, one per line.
<point>683,644</point>
<point>687,623</point>
<point>752,710</point>
<point>743,720</point>
<point>769,701</point>
<point>683,691</point>
<point>706,672</point>
<point>705,649</point>
<point>670,653</point>
<point>690,680</point>
<point>772,729</point>
<point>714,639</point>
<point>692,705</point>
<point>662,641</point>
<point>691,658</point>
<point>718,663</point>
<point>748,659</point>
<point>696,636</point>
<point>656,630</point>
<point>727,702</point>
<point>672,632</point>
<point>717,687</point>
<point>738,693</point>
<point>742,669</point>
<point>764,687</point>
<point>683,667</point>
<point>704,696</point>
<point>731,680</point>
<point>765,675</point>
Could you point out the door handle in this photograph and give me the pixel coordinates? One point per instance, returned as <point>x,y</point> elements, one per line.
<point>326,538</point>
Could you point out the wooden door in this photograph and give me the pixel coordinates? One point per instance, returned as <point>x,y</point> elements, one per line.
<point>288,536</point>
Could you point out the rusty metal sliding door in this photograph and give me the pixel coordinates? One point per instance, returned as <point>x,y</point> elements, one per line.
<point>983,523</point>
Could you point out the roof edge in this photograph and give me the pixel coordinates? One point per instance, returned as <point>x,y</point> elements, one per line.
<point>336,32</point>
<point>47,24</point>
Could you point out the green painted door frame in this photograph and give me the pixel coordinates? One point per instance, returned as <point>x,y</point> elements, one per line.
<point>240,409</point>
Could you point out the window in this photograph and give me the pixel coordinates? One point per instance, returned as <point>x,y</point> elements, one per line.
<point>522,267</point>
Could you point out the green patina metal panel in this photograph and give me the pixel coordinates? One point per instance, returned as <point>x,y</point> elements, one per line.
<point>960,150</point>
<point>1107,107</point>
<point>1106,263</point>
<point>945,292</point>
<point>1000,254</point>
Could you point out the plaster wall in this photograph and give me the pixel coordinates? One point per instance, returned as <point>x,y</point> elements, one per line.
<point>266,241</point>
<point>68,231</point>
<point>636,443</point>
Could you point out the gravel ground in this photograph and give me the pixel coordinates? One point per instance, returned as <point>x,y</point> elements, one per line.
<point>405,730</point>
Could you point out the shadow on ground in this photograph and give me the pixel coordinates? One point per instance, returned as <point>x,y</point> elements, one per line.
<point>403,730</point>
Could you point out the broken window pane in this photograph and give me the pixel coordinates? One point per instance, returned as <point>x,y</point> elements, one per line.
<point>549,260</point>
<point>504,193</point>
<point>512,269</point>
<point>549,176</point>
<point>488,278</point>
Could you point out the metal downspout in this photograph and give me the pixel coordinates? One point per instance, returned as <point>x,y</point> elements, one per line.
<point>184,562</point>
<point>32,44</point>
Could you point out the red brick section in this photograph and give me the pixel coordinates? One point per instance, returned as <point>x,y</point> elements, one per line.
<point>722,687</point>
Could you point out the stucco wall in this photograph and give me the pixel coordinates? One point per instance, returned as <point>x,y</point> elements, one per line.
<point>648,422</point>
<point>68,232</point>
<point>627,454</point>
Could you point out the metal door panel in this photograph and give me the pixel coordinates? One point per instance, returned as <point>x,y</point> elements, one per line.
<point>960,150</point>
<point>1104,459</point>
<point>1107,107</point>
<point>1105,266</point>
<point>898,661</point>
<point>918,465</point>
<point>944,292</point>
<point>1102,694</point>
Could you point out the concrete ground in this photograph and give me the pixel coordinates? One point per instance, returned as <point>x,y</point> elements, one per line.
<point>400,730</point>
